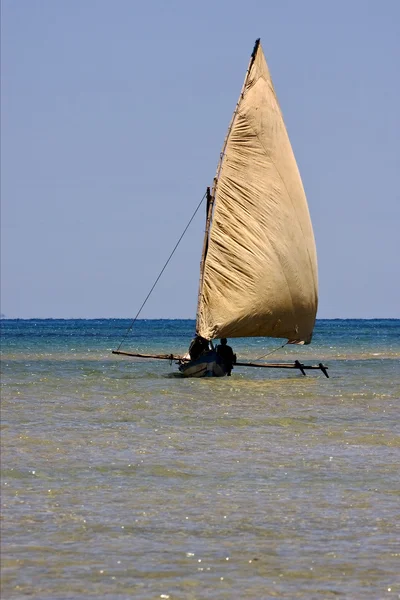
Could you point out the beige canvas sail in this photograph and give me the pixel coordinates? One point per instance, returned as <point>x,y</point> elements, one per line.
<point>260,270</point>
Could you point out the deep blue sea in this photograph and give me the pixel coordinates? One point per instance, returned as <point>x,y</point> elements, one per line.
<point>121,480</point>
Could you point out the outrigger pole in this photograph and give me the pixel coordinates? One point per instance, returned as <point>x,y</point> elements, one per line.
<point>296,365</point>
<point>158,356</point>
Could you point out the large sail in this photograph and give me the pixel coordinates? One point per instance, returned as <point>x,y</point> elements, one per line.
<point>260,270</point>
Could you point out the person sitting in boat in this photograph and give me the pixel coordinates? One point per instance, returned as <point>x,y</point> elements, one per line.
<point>226,354</point>
<point>197,347</point>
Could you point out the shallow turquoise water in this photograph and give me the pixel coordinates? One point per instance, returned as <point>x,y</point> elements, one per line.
<point>122,481</point>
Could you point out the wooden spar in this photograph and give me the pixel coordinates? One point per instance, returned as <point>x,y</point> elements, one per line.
<point>210,203</point>
<point>211,196</point>
<point>222,155</point>
<point>157,356</point>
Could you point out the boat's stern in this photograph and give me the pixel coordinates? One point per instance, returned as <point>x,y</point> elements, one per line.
<point>207,365</point>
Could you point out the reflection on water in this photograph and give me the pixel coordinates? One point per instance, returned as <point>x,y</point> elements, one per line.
<point>121,482</point>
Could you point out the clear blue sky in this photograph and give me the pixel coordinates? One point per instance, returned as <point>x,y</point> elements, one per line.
<point>113,115</point>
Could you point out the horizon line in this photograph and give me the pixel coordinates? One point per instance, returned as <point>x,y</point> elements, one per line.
<point>5,318</point>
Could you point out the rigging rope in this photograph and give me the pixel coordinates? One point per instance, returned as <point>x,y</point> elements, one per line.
<point>272,351</point>
<point>161,272</point>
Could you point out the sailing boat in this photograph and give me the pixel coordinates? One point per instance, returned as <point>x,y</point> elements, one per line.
<point>258,271</point>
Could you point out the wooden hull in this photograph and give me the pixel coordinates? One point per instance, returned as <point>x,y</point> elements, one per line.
<point>207,365</point>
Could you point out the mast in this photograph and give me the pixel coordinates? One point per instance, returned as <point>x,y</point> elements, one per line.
<point>211,196</point>
<point>210,203</point>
